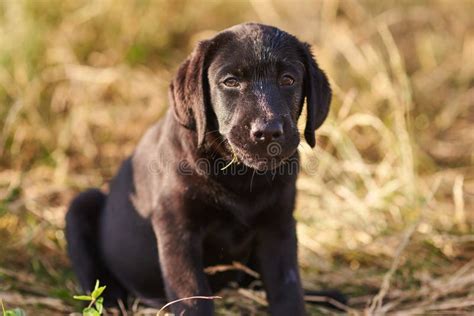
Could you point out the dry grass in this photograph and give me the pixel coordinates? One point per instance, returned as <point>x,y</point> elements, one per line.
<point>388,218</point>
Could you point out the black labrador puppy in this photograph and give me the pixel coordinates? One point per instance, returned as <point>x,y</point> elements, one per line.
<point>211,183</point>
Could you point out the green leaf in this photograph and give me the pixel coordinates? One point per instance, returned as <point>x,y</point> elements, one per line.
<point>83,297</point>
<point>15,312</point>
<point>99,305</point>
<point>19,312</point>
<point>98,291</point>
<point>89,311</point>
<point>96,285</point>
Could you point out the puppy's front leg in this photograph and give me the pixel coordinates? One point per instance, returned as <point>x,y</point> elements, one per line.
<point>180,254</point>
<point>276,250</point>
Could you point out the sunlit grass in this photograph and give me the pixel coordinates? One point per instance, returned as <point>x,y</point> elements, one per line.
<point>390,206</point>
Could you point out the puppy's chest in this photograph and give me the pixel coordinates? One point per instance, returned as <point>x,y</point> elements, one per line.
<point>244,209</point>
<point>228,240</point>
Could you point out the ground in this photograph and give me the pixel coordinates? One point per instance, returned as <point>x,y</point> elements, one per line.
<point>385,203</point>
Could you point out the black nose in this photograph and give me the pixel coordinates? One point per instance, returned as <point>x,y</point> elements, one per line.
<point>266,132</point>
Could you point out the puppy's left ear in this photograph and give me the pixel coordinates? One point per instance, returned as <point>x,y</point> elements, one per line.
<point>318,95</point>
<point>189,91</point>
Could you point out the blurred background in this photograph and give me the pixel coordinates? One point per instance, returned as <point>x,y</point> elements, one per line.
<point>388,218</point>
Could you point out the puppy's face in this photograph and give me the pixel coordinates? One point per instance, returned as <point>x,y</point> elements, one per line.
<point>248,83</point>
<point>256,89</point>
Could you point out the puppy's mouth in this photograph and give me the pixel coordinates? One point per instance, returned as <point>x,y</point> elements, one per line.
<point>269,159</point>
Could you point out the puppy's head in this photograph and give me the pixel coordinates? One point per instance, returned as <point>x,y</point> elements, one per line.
<point>249,84</point>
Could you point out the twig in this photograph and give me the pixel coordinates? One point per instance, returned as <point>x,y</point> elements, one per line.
<point>234,266</point>
<point>256,298</point>
<point>17,299</point>
<point>376,304</point>
<point>330,300</point>
<point>122,307</point>
<point>185,299</point>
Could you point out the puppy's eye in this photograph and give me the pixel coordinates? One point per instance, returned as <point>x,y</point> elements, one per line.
<point>232,83</point>
<point>287,80</point>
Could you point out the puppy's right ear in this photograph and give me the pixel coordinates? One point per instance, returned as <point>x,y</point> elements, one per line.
<point>189,91</point>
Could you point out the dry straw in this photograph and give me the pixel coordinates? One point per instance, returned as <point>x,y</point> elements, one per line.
<point>387,217</point>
